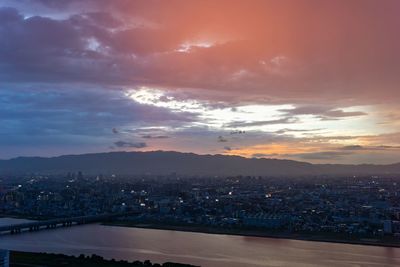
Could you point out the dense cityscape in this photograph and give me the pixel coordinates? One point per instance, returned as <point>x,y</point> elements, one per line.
<point>343,206</point>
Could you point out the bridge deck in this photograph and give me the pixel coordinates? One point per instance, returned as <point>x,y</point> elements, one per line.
<point>60,221</point>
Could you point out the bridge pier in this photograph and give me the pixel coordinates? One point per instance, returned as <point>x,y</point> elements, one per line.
<point>15,231</point>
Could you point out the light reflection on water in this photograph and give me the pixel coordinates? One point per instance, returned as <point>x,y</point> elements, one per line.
<point>196,248</point>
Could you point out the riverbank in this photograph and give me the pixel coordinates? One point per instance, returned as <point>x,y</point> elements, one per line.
<point>30,259</point>
<point>24,217</point>
<point>384,241</point>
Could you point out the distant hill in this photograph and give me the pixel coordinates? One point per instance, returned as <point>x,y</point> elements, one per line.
<point>161,162</point>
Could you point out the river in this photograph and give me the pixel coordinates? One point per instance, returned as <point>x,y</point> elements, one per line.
<point>196,248</point>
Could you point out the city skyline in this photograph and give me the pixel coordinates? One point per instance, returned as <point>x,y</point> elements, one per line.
<point>313,81</point>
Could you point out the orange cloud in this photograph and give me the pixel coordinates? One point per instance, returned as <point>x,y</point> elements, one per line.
<point>273,150</point>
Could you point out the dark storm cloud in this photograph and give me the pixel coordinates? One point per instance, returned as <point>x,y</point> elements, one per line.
<point>148,136</point>
<point>49,50</point>
<point>137,42</point>
<point>130,144</point>
<point>222,139</point>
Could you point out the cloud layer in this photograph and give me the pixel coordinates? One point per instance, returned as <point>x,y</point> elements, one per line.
<point>95,75</point>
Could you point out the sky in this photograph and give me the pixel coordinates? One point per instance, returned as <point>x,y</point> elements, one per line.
<point>307,80</point>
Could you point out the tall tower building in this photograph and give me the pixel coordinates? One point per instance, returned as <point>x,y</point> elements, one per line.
<point>4,258</point>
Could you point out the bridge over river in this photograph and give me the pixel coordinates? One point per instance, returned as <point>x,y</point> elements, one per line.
<point>60,222</point>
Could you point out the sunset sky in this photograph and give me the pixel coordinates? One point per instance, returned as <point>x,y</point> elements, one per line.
<point>315,81</point>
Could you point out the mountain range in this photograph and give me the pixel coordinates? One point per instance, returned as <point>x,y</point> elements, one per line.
<point>166,162</point>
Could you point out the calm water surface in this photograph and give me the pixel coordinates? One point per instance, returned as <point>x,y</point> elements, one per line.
<point>196,248</point>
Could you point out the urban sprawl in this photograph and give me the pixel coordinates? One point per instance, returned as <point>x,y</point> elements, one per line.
<point>351,206</point>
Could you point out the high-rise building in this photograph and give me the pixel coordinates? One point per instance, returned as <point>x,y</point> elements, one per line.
<point>4,258</point>
<point>387,227</point>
